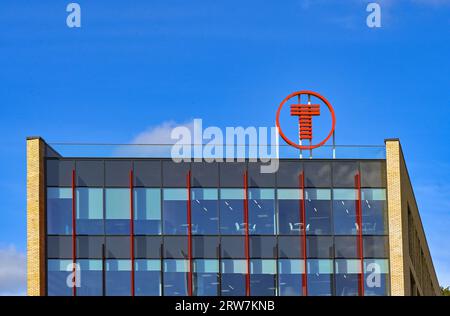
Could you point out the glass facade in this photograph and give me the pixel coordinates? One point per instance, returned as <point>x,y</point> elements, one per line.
<point>243,238</point>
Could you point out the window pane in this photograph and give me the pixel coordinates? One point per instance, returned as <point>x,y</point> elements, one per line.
<point>376,277</point>
<point>344,211</point>
<point>118,277</point>
<point>90,173</point>
<point>147,246</point>
<point>346,277</point>
<point>290,247</point>
<point>59,247</point>
<point>117,211</point>
<point>290,277</point>
<point>319,246</point>
<point>317,174</point>
<point>344,174</point>
<point>175,277</point>
<point>232,174</point>
<point>374,211</point>
<point>205,247</point>
<point>59,172</point>
<point>318,211</point>
<point>147,277</point>
<point>288,174</point>
<point>256,179</point>
<point>263,277</point>
<point>89,211</point>
<point>373,174</point>
<point>233,247</point>
<point>118,247</point>
<point>263,247</point>
<point>90,247</point>
<point>320,277</point>
<point>175,247</point>
<point>147,211</point>
<point>289,211</point>
<point>232,212</point>
<point>59,211</point>
<point>205,174</point>
<point>346,246</point>
<point>233,277</point>
<point>206,277</point>
<point>174,174</point>
<point>205,214</point>
<point>375,247</point>
<point>147,173</point>
<point>261,208</point>
<point>175,211</point>
<point>58,272</point>
<point>91,278</point>
<point>117,173</point>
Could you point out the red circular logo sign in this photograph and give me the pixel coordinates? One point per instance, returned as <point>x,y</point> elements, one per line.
<point>305,113</point>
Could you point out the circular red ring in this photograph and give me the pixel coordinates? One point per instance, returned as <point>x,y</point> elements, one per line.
<point>333,118</point>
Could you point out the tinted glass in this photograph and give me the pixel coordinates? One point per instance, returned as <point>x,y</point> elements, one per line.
<point>58,272</point>
<point>344,212</point>
<point>89,211</point>
<point>320,277</point>
<point>118,247</point>
<point>318,211</point>
<point>344,174</point>
<point>175,211</point>
<point>289,209</point>
<point>290,247</point>
<point>257,179</point>
<point>232,212</point>
<point>175,247</point>
<point>263,247</point>
<point>118,277</point>
<point>290,277</point>
<point>233,277</point>
<point>346,277</point>
<point>232,247</point>
<point>91,281</point>
<point>147,211</point>
<point>346,247</point>
<point>147,278</point>
<point>175,277</point>
<point>263,277</point>
<point>174,174</point>
<point>90,173</point>
<point>147,173</point>
<point>59,172</point>
<point>206,277</point>
<point>288,174</point>
<point>376,277</point>
<point>59,211</point>
<point>261,210</point>
<point>147,247</point>
<point>317,174</point>
<point>117,203</point>
<point>373,174</point>
<point>59,247</point>
<point>319,246</point>
<point>232,174</point>
<point>375,247</point>
<point>205,213</point>
<point>117,173</point>
<point>90,247</point>
<point>205,174</point>
<point>205,246</point>
<point>374,211</point>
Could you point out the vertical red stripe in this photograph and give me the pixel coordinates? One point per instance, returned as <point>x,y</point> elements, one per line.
<point>132,233</point>
<point>74,234</point>
<point>303,233</point>
<point>360,239</point>
<point>247,241</point>
<point>189,222</point>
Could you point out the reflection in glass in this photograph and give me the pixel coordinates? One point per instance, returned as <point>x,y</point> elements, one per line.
<point>59,211</point>
<point>57,273</point>
<point>374,211</point>
<point>147,277</point>
<point>175,277</point>
<point>147,211</point>
<point>175,211</point>
<point>91,278</point>
<point>206,277</point>
<point>346,277</point>
<point>318,211</point>
<point>320,277</point>
<point>344,212</point>
<point>118,277</point>
<point>290,277</point>
<point>289,222</point>
<point>233,277</point>
<point>117,211</point>
<point>232,212</point>
<point>376,277</point>
<point>261,211</point>
<point>263,277</point>
<point>205,215</point>
<point>89,211</point>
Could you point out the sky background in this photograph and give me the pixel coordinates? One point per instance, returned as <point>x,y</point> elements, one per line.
<point>136,68</point>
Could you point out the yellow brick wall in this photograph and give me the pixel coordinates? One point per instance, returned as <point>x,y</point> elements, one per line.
<point>35,217</point>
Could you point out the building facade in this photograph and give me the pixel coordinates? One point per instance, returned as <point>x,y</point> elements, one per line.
<point>148,226</point>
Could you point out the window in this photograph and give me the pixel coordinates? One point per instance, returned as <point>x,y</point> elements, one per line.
<point>344,212</point>
<point>58,273</point>
<point>257,179</point>
<point>319,246</point>
<point>290,247</point>
<point>317,174</point>
<point>261,211</point>
<point>376,277</point>
<point>290,277</point>
<point>375,246</point>
<point>344,174</point>
<point>320,277</point>
<point>263,277</point>
<point>263,247</point>
<point>232,212</point>
<point>205,247</point>
<point>289,222</point>
<point>118,247</point>
<point>89,211</point>
<point>346,277</point>
<point>318,211</point>
<point>59,172</point>
<point>346,247</point>
<point>59,247</point>
<point>118,277</point>
<point>174,174</point>
<point>374,211</point>
<point>175,247</point>
<point>147,173</point>
<point>147,277</point>
<point>117,211</point>
<point>91,278</point>
<point>233,277</point>
<point>175,211</point>
<point>288,174</point>
<point>232,247</point>
<point>147,246</point>
<point>89,247</point>
<point>205,214</point>
<point>117,173</point>
<point>175,277</point>
<point>206,277</point>
<point>232,174</point>
<point>59,211</point>
<point>147,211</point>
<point>90,173</point>
<point>205,174</point>
<point>373,174</point>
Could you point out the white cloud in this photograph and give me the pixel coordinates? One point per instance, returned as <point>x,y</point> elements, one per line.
<point>13,272</point>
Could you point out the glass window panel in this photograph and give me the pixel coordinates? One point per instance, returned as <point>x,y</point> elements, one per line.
<point>59,247</point>
<point>147,173</point>
<point>232,212</point>
<point>261,208</point>
<point>375,247</point>
<point>118,277</point>
<point>288,174</point>
<point>58,272</point>
<point>256,179</point>
<point>147,277</point>
<point>89,173</point>
<point>317,174</point>
<point>289,211</point>
<point>346,277</point>
<point>91,278</point>
<point>117,173</point>
<point>147,211</point>
<point>319,246</point>
<point>205,174</point>
<point>117,211</point>
<point>290,277</point>
<point>206,277</point>
<point>318,211</point>
<point>176,277</point>
<point>59,172</point>
<point>232,174</point>
<point>374,211</point>
<point>89,211</point>
<point>59,211</point>
<point>376,277</point>
<point>263,277</point>
<point>90,247</point>
<point>174,174</point>
<point>147,246</point>
<point>373,174</point>
<point>290,247</point>
<point>233,247</point>
<point>346,246</point>
<point>263,247</point>
<point>344,211</point>
<point>118,247</point>
<point>204,211</point>
<point>175,247</point>
<point>344,174</point>
<point>175,211</point>
<point>233,277</point>
<point>205,247</point>
<point>320,277</point>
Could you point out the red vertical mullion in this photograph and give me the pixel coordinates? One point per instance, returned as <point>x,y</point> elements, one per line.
<point>189,222</point>
<point>132,233</point>
<point>303,234</point>
<point>360,239</point>
<point>247,245</point>
<point>74,235</point>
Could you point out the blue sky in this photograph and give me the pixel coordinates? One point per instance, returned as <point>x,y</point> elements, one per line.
<point>134,65</point>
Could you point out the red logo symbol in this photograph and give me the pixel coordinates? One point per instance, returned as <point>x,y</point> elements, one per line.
<point>305,113</point>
